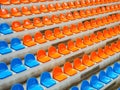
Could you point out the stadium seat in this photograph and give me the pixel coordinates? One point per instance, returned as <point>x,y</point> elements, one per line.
<point>101,53</point>
<point>71,46</point>
<point>46,80</point>
<point>79,43</point>
<point>17,66</point>
<point>17,86</point>
<point>58,74</point>
<point>110,73</point>
<point>30,60</point>
<point>66,31</point>
<point>94,82</point>
<point>24,1</point>
<point>108,50</point>
<point>16,44</point>
<point>58,6</point>
<point>62,49</point>
<point>14,1</point>
<point>87,41</point>
<point>39,38</point>
<point>55,19</point>
<point>74,29</point>
<point>116,68</point>
<point>5,2</point>
<point>94,38</point>
<point>16,26</point>
<point>103,78</point>
<point>106,34</point>
<point>81,27</point>
<point>15,12</point>
<point>76,15</point>
<point>86,61</point>
<point>32,84</point>
<point>58,33</point>
<point>53,53</point>
<point>5,29</point>
<point>69,16</point>
<point>25,10</point>
<point>34,10</point>
<point>82,14</point>
<point>28,24</point>
<point>65,5</point>
<point>51,7</point>
<point>4,72</point>
<point>27,40</point>
<point>86,86</point>
<point>4,49</point>
<point>69,70</point>
<point>71,4</point>
<point>42,57</point>
<point>4,13</point>
<point>49,35</point>
<point>77,4</point>
<point>63,18</point>
<point>43,8</point>
<point>77,64</point>
<point>46,20</point>
<point>37,22</point>
<point>114,47</point>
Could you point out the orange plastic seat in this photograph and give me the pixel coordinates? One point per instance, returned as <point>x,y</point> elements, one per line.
<point>27,40</point>
<point>58,74</point>
<point>108,9</point>
<point>28,24</point>
<point>99,22</point>
<point>102,54</point>
<point>5,2</point>
<point>114,18</point>
<point>58,6</point>
<point>58,33</point>
<point>55,19</point>
<point>93,11</point>
<point>39,38</point>
<point>14,1</point>
<point>76,15</point>
<point>69,16</point>
<point>26,11</point>
<point>71,46</point>
<point>37,22</point>
<point>87,25</point>
<point>116,29</point>
<point>81,27</point>
<point>65,5</point>
<point>49,35</point>
<point>104,20</point>
<point>88,12</point>
<point>77,4</point>
<point>82,2</point>
<point>93,23</point>
<point>116,7</point>
<point>63,18</point>
<point>15,12</point>
<point>74,29</point>
<point>109,18</point>
<point>34,1</point>
<point>16,26</point>
<point>98,10</point>
<point>79,43</point>
<point>94,57</point>
<point>66,31</point>
<point>112,8</point>
<point>103,9</point>
<point>108,50</point>
<point>62,49</point>
<point>118,16</point>
<point>43,8</point>
<point>106,34</point>
<point>78,64</point>
<point>88,3</point>
<point>114,47</point>
<point>52,52</point>
<point>71,4</point>
<point>34,10</point>
<point>86,61</point>
<point>82,13</point>
<point>68,69</point>
<point>111,32</point>
<point>51,7</point>
<point>118,44</point>
<point>94,38</point>
<point>87,40</point>
<point>46,20</point>
<point>100,36</point>
<point>4,13</point>
<point>42,57</point>
<point>24,1</point>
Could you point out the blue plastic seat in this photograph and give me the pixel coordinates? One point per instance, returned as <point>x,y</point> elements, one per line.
<point>30,60</point>
<point>103,78</point>
<point>86,86</point>
<point>4,49</point>
<point>118,88</point>
<point>32,84</point>
<point>110,73</point>
<point>16,44</point>
<point>4,72</point>
<point>5,29</point>
<point>17,66</point>
<point>116,68</point>
<point>17,87</point>
<point>46,80</point>
<point>74,88</point>
<point>94,82</point>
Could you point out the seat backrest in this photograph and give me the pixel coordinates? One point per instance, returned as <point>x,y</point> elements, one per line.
<point>52,50</point>
<point>16,24</point>
<point>77,62</point>
<point>85,59</point>
<point>14,10</point>
<point>25,9</point>
<point>27,22</point>
<point>15,61</point>
<point>3,44</point>
<point>61,47</point>
<point>38,35</point>
<point>84,84</point>
<point>101,74</point>
<point>48,33</point>
<point>3,12</point>
<point>44,76</point>
<point>27,38</point>
<point>70,44</point>
<point>116,65</point>
<point>41,53</point>
<point>17,86</point>
<point>3,66</point>
<point>56,71</point>
<point>93,79</point>
<point>29,57</point>
<point>15,41</point>
<point>4,26</point>
<point>57,31</point>
<point>31,82</point>
<point>67,66</point>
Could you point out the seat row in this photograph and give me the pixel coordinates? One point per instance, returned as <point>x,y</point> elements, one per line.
<point>28,24</point>
<point>28,41</point>
<point>99,81</point>
<point>75,3</point>
<point>60,74</point>
<point>4,13</point>
<point>30,61</point>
